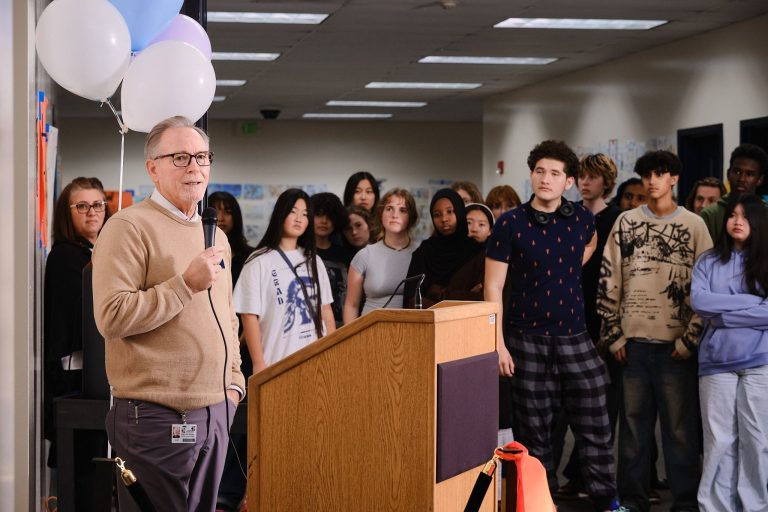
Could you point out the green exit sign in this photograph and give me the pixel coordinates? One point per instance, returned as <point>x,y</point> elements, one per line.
<point>249,127</point>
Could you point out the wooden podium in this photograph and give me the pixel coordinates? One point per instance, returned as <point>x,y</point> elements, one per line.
<point>350,423</point>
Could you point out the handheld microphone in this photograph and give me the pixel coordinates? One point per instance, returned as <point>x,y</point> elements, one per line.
<point>209,226</point>
<point>420,278</point>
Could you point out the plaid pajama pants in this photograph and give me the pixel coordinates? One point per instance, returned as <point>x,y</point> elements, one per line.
<point>563,371</point>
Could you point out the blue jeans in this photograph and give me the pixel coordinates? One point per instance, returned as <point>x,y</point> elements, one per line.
<point>655,382</point>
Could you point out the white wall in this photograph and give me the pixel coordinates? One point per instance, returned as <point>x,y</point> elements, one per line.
<point>322,154</point>
<point>718,77</point>
<point>290,152</point>
<point>19,261</point>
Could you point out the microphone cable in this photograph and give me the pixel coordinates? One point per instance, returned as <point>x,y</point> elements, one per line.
<point>418,289</point>
<point>209,234</point>
<point>224,384</point>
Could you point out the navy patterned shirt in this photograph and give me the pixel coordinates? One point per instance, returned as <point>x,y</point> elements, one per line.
<point>545,293</point>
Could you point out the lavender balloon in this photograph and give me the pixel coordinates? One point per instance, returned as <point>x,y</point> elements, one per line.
<point>185,29</point>
<point>146,18</point>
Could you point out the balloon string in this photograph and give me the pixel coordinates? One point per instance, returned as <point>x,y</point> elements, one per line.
<point>122,162</point>
<point>123,131</point>
<point>123,128</point>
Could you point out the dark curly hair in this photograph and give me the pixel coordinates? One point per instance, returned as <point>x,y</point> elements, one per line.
<point>329,204</point>
<point>752,152</point>
<point>660,161</point>
<point>556,150</point>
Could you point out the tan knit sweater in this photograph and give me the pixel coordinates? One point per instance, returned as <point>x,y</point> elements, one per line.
<point>645,279</point>
<point>162,342</point>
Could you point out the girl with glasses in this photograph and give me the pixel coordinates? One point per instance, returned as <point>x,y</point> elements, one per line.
<point>78,216</point>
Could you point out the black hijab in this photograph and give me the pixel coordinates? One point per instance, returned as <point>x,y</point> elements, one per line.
<point>441,255</point>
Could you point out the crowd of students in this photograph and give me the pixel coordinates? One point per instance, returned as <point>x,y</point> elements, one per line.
<point>612,311</point>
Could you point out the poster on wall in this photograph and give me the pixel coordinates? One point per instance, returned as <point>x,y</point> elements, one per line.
<point>257,201</point>
<point>252,191</point>
<point>624,154</point>
<point>231,188</point>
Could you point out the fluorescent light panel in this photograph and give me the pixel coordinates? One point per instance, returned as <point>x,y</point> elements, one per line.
<point>219,98</point>
<point>383,104</point>
<point>580,24</point>
<point>525,61</point>
<point>261,57</point>
<point>313,115</point>
<point>266,17</point>
<point>422,85</point>
<point>230,83</point>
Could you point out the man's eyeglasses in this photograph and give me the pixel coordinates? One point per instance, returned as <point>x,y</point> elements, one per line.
<point>203,158</point>
<point>84,208</point>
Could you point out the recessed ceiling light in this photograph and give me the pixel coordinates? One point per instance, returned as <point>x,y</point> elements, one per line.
<point>266,17</point>
<point>345,116</point>
<point>263,57</point>
<point>385,104</point>
<point>573,23</point>
<point>230,83</point>
<point>219,98</point>
<point>529,61</point>
<point>422,85</point>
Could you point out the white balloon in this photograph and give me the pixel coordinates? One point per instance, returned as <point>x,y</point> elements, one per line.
<point>169,78</point>
<point>84,45</point>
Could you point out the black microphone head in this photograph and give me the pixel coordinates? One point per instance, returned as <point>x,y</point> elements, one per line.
<point>209,226</point>
<point>209,215</point>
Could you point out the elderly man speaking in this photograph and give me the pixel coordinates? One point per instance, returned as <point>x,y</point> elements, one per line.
<point>172,355</point>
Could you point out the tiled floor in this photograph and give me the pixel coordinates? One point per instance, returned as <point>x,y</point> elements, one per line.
<point>586,506</point>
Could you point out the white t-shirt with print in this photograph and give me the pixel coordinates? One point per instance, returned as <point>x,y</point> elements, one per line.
<point>268,288</point>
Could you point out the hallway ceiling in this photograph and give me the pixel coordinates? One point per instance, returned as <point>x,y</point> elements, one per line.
<point>365,41</point>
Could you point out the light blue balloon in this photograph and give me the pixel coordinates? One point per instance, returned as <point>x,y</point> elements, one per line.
<point>146,18</point>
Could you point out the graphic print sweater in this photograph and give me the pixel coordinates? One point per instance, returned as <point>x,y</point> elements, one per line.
<point>645,282</point>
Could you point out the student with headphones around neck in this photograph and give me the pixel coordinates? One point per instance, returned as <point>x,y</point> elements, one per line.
<point>548,352</point>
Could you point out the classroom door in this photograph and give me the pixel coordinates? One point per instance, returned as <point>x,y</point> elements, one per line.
<point>755,131</point>
<point>701,151</point>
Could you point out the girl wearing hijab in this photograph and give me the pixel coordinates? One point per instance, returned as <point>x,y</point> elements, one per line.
<point>466,283</point>
<point>440,255</point>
